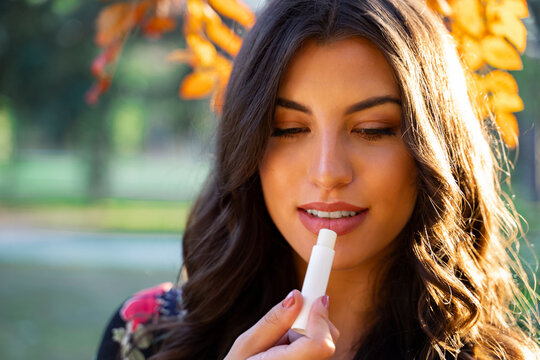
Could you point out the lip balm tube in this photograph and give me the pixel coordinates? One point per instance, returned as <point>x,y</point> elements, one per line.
<point>317,275</point>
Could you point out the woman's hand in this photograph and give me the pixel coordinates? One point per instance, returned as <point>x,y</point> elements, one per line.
<point>269,338</point>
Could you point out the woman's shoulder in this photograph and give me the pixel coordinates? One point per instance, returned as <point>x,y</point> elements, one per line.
<point>126,336</point>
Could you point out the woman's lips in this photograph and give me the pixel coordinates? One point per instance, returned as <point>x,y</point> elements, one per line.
<point>341,226</point>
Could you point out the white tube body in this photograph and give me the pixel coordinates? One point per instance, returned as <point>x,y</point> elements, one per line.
<point>317,275</point>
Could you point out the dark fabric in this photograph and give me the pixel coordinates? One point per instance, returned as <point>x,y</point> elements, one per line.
<point>108,348</point>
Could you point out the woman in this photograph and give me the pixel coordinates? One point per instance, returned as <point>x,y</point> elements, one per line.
<point>350,115</point>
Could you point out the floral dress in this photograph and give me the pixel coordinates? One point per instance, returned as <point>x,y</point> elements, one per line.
<point>144,308</point>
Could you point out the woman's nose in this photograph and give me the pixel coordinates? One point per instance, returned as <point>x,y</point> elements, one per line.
<point>330,164</point>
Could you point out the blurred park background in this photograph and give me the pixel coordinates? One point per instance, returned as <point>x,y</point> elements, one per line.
<point>93,199</point>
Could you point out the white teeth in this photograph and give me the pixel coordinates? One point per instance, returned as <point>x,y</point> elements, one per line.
<point>332,214</point>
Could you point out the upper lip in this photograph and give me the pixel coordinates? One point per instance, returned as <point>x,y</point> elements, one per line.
<point>329,207</point>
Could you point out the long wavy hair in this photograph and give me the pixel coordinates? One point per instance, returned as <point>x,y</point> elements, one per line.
<point>454,294</point>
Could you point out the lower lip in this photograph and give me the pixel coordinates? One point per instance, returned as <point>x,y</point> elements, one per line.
<point>340,226</point>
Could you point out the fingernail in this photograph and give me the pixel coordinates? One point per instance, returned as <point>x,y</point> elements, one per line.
<point>325,301</point>
<point>289,300</point>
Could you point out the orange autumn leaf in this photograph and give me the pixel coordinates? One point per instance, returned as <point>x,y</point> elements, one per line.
<point>195,8</point>
<point>499,8</point>
<point>236,10</point>
<point>508,128</point>
<point>513,29</point>
<point>114,22</point>
<point>223,68</point>
<point>500,54</point>
<point>503,18</point>
<point>204,50</point>
<point>471,52</point>
<point>499,81</point>
<point>224,37</point>
<point>97,89</point>
<point>469,17</point>
<point>209,15</point>
<point>194,19</point>
<point>193,25</point>
<point>198,84</point>
<point>506,102</point>
<point>440,6</point>
<point>156,26</point>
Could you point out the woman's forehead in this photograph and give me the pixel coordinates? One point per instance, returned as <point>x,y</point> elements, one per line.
<point>353,66</point>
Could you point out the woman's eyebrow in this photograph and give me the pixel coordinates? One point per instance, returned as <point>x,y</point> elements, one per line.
<point>359,106</point>
<point>293,105</point>
<point>371,102</point>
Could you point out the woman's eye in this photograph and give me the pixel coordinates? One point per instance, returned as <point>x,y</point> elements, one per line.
<point>374,134</point>
<point>289,132</point>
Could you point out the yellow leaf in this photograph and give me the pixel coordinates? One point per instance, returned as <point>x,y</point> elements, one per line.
<point>440,6</point>
<point>471,52</point>
<point>194,17</point>
<point>203,49</point>
<point>506,102</point>
<point>210,16</point>
<point>195,8</point>
<point>500,81</point>
<point>496,9</point>
<point>236,10</point>
<point>469,16</point>
<point>508,128</point>
<point>223,68</point>
<point>511,28</point>
<point>114,22</point>
<point>499,53</point>
<point>224,37</point>
<point>192,25</point>
<point>198,84</point>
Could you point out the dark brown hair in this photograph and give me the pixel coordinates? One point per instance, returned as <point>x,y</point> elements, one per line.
<point>451,295</point>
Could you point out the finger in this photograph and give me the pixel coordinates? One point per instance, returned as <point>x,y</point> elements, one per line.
<point>318,342</point>
<point>284,339</point>
<point>269,330</point>
<point>334,331</point>
<point>318,323</point>
<point>293,336</point>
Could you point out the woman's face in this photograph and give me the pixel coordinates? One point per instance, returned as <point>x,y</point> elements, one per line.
<point>336,158</point>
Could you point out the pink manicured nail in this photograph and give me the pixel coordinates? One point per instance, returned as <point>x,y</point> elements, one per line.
<point>289,300</point>
<point>325,301</point>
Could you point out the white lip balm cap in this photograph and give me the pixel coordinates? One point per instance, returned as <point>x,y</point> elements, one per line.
<point>327,238</point>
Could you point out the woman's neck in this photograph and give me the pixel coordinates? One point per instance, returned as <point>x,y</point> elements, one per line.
<point>351,303</point>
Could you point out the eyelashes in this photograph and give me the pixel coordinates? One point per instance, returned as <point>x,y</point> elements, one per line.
<point>365,133</point>
<point>374,134</point>
<point>289,132</point>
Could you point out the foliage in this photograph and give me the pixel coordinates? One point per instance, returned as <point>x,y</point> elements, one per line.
<point>203,28</point>
<point>490,37</point>
<point>489,34</point>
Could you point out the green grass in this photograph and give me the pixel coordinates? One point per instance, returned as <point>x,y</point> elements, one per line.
<point>55,313</point>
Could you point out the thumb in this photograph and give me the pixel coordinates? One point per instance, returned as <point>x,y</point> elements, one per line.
<point>318,342</point>
<point>319,327</point>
